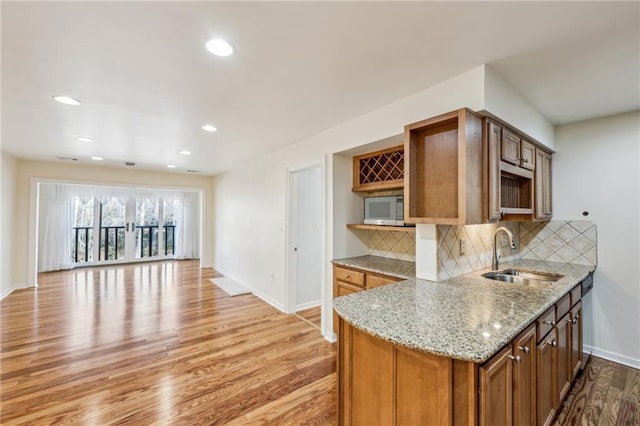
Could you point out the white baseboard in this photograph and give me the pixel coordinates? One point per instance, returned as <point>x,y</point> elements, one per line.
<point>12,289</point>
<point>330,336</point>
<point>620,359</point>
<point>307,305</point>
<point>255,292</point>
<point>6,293</point>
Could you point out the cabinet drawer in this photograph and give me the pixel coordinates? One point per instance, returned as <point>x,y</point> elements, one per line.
<point>349,276</point>
<point>576,294</point>
<point>563,305</point>
<point>344,289</point>
<point>545,323</point>
<point>374,281</point>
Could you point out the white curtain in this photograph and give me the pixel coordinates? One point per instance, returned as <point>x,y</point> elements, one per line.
<point>56,227</point>
<point>187,238</point>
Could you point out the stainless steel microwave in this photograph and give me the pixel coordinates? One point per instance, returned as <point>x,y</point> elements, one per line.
<point>384,210</point>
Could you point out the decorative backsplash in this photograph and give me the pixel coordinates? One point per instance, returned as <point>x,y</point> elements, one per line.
<point>478,250</point>
<point>393,244</point>
<point>572,241</point>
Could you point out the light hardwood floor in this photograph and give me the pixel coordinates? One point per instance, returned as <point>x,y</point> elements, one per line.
<point>312,316</point>
<point>157,343</point>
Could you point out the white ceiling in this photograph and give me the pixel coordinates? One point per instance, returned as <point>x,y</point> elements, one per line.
<point>148,85</point>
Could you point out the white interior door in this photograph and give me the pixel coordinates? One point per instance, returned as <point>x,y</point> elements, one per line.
<point>307,224</point>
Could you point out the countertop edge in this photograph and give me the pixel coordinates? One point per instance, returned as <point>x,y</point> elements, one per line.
<point>484,355</point>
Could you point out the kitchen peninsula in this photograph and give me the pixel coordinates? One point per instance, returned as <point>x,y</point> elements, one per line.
<point>423,352</point>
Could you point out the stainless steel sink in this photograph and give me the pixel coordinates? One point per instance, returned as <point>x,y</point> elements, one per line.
<point>522,277</point>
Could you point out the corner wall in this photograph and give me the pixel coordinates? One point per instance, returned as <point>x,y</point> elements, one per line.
<point>597,169</point>
<point>8,193</point>
<point>79,173</point>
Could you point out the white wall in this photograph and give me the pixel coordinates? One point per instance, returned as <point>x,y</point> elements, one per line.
<point>8,193</point>
<point>250,202</point>
<point>597,169</point>
<point>504,101</point>
<point>66,172</point>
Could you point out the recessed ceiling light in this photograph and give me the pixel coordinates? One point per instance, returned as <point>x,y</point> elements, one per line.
<point>210,128</point>
<point>219,47</point>
<point>185,152</point>
<point>84,139</point>
<point>97,158</point>
<point>171,166</point>
<point>67,100</point>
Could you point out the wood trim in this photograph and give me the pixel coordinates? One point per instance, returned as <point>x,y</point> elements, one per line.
<point>515,170</point>
<point>381,227</point>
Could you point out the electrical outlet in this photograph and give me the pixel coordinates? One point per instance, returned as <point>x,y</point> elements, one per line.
<point>272,275</point>
<point>463,246</point>
<point>505,241</point>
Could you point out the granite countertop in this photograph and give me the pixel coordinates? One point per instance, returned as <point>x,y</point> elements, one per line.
<point>467,317</point>
<point>380,265</point>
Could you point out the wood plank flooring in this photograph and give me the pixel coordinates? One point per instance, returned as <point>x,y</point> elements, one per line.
<point>605,393</point>
<point>311,315</point>
<point>157,343</point>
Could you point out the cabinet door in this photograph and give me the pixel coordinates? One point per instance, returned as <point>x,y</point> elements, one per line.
<point>527,155</point>
<point>543,210</point>
<point>373,281</point>
<point>524,378</point>
<point>510,150</point>
<point>494,134</point>
<point>546,389</point>
<point>563,333</point>
<point>496,390</point>
<point>576,339</point>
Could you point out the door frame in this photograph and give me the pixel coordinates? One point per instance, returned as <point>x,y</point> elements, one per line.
<point>290,236</point>
<point>34,208</point>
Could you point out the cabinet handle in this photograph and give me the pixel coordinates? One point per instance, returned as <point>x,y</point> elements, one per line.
<point>553,342</point>
<point>575,319</point>
<point>551,323</point>
<point>347,276</point>
<point>525,160</point>
<point>515,358</point>
<point>524,349</point>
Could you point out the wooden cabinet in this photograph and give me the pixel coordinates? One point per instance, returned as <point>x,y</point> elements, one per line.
<point>444,170</point>
<point>380,170</point>
<point>508,185</point>
<point>496,390</point>
<point>524,378</point>
<point>522,384</point>
<point>492,177</point>
<point>382,384</point>
<point>543,207</point>
<point>508,383</point>
<point>351,280</point>
<point>563,356</point>
<point>546,383</point>
<point>576,339</point>
<point>517,151</point>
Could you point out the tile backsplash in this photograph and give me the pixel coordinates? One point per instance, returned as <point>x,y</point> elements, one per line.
<point>393,244</point>
<point>573,241</point>
<point>478,251</point>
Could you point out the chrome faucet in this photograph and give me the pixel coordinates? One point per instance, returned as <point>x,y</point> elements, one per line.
<point>495,261</point>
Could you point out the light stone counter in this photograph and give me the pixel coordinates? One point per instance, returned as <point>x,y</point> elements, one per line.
<point>380,265</point>
<point>467,317</point>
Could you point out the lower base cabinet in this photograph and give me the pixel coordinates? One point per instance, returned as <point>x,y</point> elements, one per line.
<point>523,384</point>
<point>508,384</point>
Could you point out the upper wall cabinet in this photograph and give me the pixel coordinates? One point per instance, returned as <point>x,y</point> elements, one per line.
<point>517,151</point>
<point>380,170</point>
<point>517,171</point>
<point>543,209</point>
<point>444,170</point>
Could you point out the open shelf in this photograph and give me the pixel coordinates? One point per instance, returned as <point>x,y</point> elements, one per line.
<point>382,227</point>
